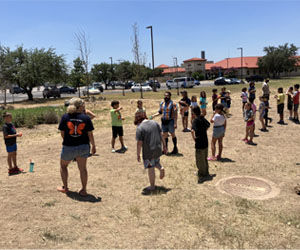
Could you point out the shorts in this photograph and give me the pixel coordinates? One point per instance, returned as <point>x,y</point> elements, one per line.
<point>70,153</point>
<point>186,113</point>
<point>262,115</point>
<point>117,131</point>
<point>167,126</point>
<point>152,163</point>
<point>280,108</point>
<point>218,132</point>
<point>250,123</point>
<point>296,106</point>
<point>12,148</point>
<point>224,105</point>
<point>290,106</point>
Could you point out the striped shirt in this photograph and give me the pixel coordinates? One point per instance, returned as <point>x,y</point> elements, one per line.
<point>167,110</point>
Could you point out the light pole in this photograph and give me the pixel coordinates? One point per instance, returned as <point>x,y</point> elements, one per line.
<point>154,84</point>
<point>241,62</point>
<point>111,70</point>
<point>176,70</point>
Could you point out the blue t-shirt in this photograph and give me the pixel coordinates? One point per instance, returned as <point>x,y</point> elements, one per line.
<point>76,127</point>
<point>203,101</point>
<point>251,95</point>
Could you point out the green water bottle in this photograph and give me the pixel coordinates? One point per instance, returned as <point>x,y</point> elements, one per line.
<point>31,166</point>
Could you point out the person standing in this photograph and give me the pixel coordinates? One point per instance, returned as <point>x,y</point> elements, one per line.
<point>77,132</point>
<point>252,90</point>
<point>199,134</point>
<point>280,105</point>
<point>149,140</point>
<point>296,102</point>
<point>168,111</point>
<point>185,103</point>
<point>266,89</point>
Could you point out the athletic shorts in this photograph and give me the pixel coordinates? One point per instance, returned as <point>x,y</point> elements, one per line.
<point>152,163</point>
<point>167,126</point>
<point>218,132</point>
<point>296,106</point>
<point>70,153</point>
<point>12,148</point>
<point>280,108</point>
<point>117,131</point>
<point>186,113</point>
<point>250,123</point>
<point>290,106</point>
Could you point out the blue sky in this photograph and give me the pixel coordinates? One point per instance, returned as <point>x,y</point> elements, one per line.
<point>181,28</point>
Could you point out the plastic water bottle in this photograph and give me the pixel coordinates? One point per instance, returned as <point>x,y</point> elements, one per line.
<point>31,166</point>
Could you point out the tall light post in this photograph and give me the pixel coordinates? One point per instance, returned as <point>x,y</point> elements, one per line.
<point>176,70</point>
<point>154,84</point>
<point>241,62</point>
<point>111,70</point>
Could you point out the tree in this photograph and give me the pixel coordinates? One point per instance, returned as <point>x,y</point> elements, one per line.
<point>124,71</point>
<point>77,74</point>
<point>198,76</point>
<point>101,73</point>
<point>30,68</point>
<point>4,69</point>
<point>278,59</point>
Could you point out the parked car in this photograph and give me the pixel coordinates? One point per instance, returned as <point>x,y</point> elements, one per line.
<point>169,84</point>
<point>98,85</point>
<point>129,84</point>
<point>91,90</point>
<point>137,87</point>
<point>255,78</point>
<point>51,92</point>
<point>234,81</point>
<point>222,81</point>
<point>184,82</point>
<point>67,90</point>
<point>151,84</point>
<point>17,90</point>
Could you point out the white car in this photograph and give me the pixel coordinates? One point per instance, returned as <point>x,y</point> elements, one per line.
<point>92,91</point>
<point>137,87</point>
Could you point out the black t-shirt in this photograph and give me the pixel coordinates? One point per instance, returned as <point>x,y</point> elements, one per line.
<point>187,101</point>
<point>200,126</point>
<point>9,129</point>
<point>76,127</point>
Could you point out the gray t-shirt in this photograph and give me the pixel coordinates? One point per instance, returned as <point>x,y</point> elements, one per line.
<point>149,133</point>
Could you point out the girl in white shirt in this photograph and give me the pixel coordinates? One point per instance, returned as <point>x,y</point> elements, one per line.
<point>219,121</point>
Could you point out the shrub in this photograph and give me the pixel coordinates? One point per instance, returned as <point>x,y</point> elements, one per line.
<point>50,117</point>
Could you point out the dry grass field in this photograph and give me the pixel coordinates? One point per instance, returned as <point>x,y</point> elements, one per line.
<point>187,215</point>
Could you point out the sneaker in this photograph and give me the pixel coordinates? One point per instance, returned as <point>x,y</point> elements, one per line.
<point>124,148</point>
<point>113,150</point>
<point>174,152</point>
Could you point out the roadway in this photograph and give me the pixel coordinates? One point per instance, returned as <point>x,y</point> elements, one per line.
<point>38,93</point>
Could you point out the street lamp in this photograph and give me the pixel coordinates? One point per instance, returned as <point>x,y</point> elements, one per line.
<point>175,62</point>
<point>241,62</point>
<point>111,70</point>
<point>154,84</point>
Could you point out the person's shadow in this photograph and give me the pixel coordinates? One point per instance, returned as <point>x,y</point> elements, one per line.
<point>174,155</point>
<point>88,198</point>
<point>157,191</point>
<point>121,151</point>
<point>225,160</point>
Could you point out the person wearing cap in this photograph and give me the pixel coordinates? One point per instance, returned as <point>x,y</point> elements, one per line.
<point>168,112</point>
<point>266,89</point>
<point>10,138</point>
<point>185,103</point>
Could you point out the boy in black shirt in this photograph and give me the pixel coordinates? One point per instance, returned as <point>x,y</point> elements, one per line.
<point>10,138</point>
<point>199,134</point>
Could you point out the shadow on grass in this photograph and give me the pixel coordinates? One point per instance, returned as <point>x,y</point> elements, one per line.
<point>225,160</point>
<point>89,198</point>
<point>157,191</point>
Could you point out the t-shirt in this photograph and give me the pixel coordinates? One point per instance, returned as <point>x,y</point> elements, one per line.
<point>280,98</point>
<point>251,95</point>
<point>9,129</point>
<point>203,101</point>
<point>219,120</point>
<point>265,89</point>
<point>296,97</point>
<point>200,125</point>
<point>223,97</point>
<point>244,96</point>
<point>194,104</point>
<point>215,99</point>
<point>185,107</point>
<point>116,118</point>
<point>76,127</point>
<point>248,114</point>
<point>149,132</point>
<point>142,110</point>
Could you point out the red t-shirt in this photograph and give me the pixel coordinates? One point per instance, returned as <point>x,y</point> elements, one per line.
<point>296,97</point>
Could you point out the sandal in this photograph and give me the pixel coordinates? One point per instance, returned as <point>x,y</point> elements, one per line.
<point>211,158</point>
<point>18,169</point>
<point>82,193</point>
<point>62,189</point>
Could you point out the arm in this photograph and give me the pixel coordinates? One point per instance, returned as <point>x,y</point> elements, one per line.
<point>211,120</point>
<point>92,141</point>
<point>12,136</point>
<point>118,109</point>
<point>193,135</point>
<point>62,133</point>
<point>175,117</point>
<point>225,124</point>
<point>90,114</point>
<point>138,150</point>
<point>156,114</point>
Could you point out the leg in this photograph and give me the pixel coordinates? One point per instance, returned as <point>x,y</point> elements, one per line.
<point>64,173</point>
<point>174,139</point>
<point>201,162</point>
<point>113,141</point>
<point>182,118</point>
<point>81,163</point>
<point>165,136</point>
<point>247,133</point>
<point>251,133</point>
<point>121,141</point>
<point>151,174</point>
<point>9,160</point>
<point>213,147</point>
<point>14,159</point>
<point>220,142</point>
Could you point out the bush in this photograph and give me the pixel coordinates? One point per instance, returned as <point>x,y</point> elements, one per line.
<point>34,116</point>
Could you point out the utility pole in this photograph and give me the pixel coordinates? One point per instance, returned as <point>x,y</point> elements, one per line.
<point>241,62</point>
<point>111,70</point>
<point>176,70</point>
<point>154,84</point>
